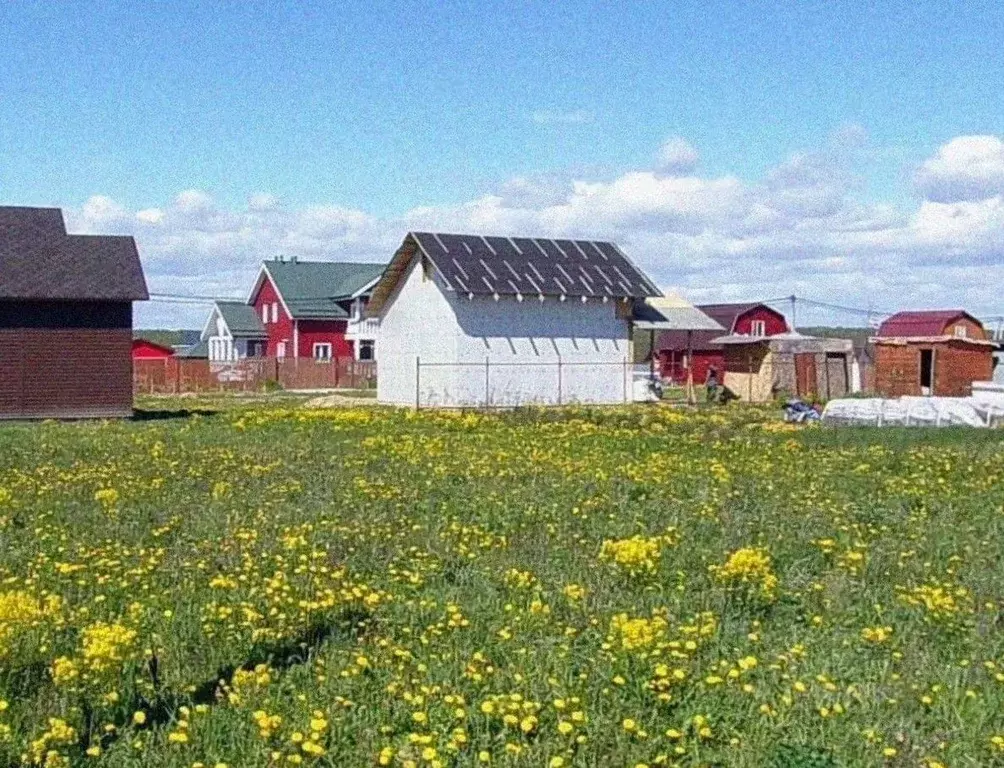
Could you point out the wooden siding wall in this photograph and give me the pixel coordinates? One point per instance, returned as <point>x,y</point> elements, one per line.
<point>65,359</point>
<point>956,366</point>
<point>973,330</point>
<point>252,374</point>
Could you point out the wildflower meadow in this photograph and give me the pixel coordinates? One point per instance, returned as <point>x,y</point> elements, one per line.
<point>270,585</point>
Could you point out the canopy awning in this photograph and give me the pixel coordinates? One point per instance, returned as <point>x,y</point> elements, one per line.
<point>671,313</point>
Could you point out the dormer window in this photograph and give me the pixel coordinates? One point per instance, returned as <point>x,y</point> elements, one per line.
<point>758,328</point>
<point>961,331</point>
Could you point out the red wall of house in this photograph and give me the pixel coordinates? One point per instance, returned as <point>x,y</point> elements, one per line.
<point>672,362</point>
<point>320,331</point>
<point>278,331</point>
<point>146,350</point>
<point>672,366</point>
<point>309,331</point>
<point>774,321</point>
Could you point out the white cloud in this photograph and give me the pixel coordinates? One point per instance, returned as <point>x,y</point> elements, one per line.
<point>559,117</point>
<point>151,216</point>
<point>965,168</point>
<point>677,156</point>
<point>263,202</point>
<point>799,229</point>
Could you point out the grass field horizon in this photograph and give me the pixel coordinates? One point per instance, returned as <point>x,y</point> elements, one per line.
<point>263,584</point>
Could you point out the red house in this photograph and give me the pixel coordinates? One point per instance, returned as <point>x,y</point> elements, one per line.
<point>315,309</point>
<point>738,319</point>
<point>144,349</point>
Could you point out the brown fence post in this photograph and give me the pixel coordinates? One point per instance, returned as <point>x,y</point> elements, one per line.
<point>749,374</point>
<point>336,371</point>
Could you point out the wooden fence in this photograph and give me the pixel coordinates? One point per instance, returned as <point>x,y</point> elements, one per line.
<point>177,375</point>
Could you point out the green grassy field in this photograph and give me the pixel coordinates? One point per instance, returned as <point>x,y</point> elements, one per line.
<point>267,585</point>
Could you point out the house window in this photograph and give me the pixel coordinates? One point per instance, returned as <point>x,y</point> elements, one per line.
<point>264,314</point>
<point>322,351</point>
<point>367,350</point>
<point>961,331</point>
<point>280,349</point>
<point>275,312</point>
<point>758,328</point>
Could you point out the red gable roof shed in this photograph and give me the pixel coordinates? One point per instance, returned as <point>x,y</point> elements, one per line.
<point>922,323</point>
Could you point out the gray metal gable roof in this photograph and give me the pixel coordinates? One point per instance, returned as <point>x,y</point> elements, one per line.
<point>477,264</point>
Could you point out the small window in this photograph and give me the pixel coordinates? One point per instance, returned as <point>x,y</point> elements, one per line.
<point>758,328</point>
<point>275,312</point>
<point>322,351</point>
<point>280,349</point>
<point>961,331</point>
<point>367,350</point>
<point>264,314</point>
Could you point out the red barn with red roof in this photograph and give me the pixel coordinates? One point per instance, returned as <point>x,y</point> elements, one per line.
<point>144,349</point>
<point>749,319</point>
<point>934,352</point>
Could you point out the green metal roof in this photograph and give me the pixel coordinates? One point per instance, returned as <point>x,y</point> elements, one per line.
<point>241,319</point>
<point>200,350</point>
<point>312,289</point>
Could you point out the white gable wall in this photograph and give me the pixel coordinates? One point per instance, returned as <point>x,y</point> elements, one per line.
<point>522,343</point>
<point>417,321</point>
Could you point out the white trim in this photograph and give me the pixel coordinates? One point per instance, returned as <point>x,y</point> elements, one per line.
<point>368,287</point>
<point>257,287</point>
<point>204,336</point>
<point>296,338</point>
<point>322,344</point>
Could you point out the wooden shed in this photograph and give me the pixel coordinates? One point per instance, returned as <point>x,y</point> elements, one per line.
<point>937,352</point>
<point>759,369</point>
<point>65,318</point>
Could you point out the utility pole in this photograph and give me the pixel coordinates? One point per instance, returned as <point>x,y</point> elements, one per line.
<point>791,298</point>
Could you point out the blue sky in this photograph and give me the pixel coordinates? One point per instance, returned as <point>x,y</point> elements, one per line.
<point>383,108</point>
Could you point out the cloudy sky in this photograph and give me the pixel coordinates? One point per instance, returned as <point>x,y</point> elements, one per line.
<point>843,152</point>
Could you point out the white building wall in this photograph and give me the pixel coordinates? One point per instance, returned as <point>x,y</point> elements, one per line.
<point>417,322</point>
<point>505,348</point>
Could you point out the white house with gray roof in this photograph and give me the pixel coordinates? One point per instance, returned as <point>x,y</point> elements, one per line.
<point>467,320</point>
<point>233,332</point>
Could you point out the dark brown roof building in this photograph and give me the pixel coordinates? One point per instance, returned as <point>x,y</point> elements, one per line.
<point>65,318</point>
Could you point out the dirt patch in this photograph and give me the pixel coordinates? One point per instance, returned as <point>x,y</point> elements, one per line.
<point>340,401</point>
